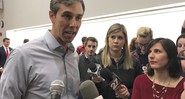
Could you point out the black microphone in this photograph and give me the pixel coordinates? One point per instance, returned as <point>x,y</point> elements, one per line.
<point>56,89</point>
<point>111,78</point>
<point>94,69</point>
<point>88,90</point>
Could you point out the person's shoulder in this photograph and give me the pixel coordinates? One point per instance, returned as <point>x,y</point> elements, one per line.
<point>80,46</point>
<point>183,79</point>
<point>34,44</point>
<point>97,57</point>
<point>1,48</point>
<point>180,83</point>
<point>141,78</point>
<point>82,56</point>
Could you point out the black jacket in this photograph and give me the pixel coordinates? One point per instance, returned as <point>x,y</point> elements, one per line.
<point>3,56</point>
<point>127,76</point>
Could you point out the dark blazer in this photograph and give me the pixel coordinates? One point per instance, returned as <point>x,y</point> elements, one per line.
<point>3,56</point>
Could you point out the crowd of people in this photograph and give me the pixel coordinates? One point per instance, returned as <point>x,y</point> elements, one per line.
<point>147,68</point>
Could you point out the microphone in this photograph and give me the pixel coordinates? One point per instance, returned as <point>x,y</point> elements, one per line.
<point>111,78</point>
<point>88,90</point>
<point>94,69</point>
<point>56,89</point>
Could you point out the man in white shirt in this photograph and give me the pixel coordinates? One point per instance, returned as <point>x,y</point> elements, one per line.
<point>32,67</point>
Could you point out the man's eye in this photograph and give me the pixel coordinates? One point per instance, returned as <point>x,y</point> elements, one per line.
<point>67,16</point>
<point>78,18</point>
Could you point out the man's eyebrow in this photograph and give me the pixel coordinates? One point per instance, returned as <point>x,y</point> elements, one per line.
<point>68,12</point>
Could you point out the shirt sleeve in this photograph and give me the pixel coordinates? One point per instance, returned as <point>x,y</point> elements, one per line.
<point>14,77</point>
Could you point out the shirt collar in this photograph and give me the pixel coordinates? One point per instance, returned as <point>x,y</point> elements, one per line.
<point>5,47</point>
<point>53,44</point>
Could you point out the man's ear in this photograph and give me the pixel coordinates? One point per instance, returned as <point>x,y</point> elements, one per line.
<point>51,16</point>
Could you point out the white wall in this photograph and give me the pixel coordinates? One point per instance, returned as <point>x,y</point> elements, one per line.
<point>17,36</point>
<point>165,22</point>
<point>26,13</point>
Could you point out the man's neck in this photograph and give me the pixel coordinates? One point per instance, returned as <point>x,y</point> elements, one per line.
<point>5,46</point>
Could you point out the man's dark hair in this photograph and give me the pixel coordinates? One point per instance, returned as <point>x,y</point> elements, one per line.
<point>26,40</point>
<point>83,39</point>
<point>55,4</point>
<point>93,39</point>
<point>5,39</point>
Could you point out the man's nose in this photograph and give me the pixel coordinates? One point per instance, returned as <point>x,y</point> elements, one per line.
<point>74,23</point>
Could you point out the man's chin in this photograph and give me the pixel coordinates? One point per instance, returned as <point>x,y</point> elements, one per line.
<point>68,40</point>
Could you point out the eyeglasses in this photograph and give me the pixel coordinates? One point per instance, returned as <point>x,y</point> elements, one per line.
<point>143,45</point>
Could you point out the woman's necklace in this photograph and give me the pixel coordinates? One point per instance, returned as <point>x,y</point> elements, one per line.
<point>159,93</point>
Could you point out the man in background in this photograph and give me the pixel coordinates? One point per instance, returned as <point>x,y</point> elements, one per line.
<point>4,53</point>
<point>144,36</point>
<point>32,67</point>
<point>90,45</point>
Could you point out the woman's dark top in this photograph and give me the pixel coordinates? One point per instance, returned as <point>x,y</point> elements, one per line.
<point>127,76</point>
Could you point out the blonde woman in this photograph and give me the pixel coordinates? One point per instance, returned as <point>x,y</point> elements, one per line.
<point>115,57</point>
